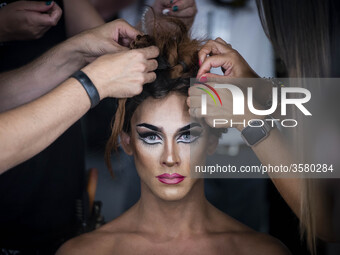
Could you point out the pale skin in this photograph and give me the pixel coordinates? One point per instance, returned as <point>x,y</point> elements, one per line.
<point>233,66</point>
<point>30,128</point>
<point>176,218</point>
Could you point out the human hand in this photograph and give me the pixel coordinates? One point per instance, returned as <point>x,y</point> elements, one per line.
<point>183,9</point>
<point>222,109</point>
<point>221,54</point>
<point>109,38</point>
<point>123,74</point>
<point>27,20</point>
<point>234,67</point>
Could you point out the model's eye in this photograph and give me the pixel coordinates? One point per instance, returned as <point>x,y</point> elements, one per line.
<point>150,138</point>
<point>188,137</point>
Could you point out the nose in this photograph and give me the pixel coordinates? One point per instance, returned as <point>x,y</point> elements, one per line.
<point>170,156</point>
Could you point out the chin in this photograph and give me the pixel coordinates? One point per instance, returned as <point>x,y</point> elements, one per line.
<point>173,193</point>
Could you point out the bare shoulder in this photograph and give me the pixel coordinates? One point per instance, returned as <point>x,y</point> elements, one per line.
<point>105,240</point>
<point>260,243</point>
<point>101,241</point>
<point>89,243</point>
<point>238,238</point>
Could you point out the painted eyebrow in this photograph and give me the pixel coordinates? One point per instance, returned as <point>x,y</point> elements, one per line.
<point>157,129</point>
<point>188,127</point>
<point>149,126</point>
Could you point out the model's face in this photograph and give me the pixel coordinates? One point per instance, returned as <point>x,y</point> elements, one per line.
<point>164,140</point>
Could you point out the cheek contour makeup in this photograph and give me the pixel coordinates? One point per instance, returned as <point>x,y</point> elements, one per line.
<point>174,178</point>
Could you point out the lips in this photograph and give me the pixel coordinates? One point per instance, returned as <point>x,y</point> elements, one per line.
<point>170,178</point>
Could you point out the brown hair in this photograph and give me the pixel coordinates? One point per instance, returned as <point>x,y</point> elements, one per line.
<point>301,33</point>
<point>177,62</point>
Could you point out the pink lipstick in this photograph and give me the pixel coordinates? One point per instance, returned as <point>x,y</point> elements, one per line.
<point>170,178</point>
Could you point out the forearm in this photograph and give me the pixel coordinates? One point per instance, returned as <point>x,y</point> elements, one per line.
<point>80,15</point>
<point>29,82</point>
<point>28,129</point>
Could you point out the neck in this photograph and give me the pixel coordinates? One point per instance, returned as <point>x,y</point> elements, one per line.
<point>173,218</point>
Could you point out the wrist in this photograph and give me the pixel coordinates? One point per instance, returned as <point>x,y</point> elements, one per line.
<point>97,82</point>
<point>88,86</point>
<point>249,116</point>
<point>74,51</point>
<point>88,47</point>
<point>243,123</point>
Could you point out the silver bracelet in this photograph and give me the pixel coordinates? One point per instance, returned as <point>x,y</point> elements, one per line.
<point>146,9</point>
<point>277,84</point>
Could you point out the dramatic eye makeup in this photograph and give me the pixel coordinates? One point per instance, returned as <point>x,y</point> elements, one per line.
<point>151,135</point>
<point>189,133</point>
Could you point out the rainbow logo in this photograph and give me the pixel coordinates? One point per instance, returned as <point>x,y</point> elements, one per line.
<point>209,93</point>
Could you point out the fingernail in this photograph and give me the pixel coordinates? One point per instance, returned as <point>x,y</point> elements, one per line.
<point>48,2</point>
<point>175,8</point>
<point>203,79</point>
<point>165,11</point>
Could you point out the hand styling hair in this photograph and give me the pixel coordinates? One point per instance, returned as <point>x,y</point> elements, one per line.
<point>177,62</point>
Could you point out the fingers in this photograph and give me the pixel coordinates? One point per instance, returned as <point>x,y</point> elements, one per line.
<point>194,91</point>
<point>125,41</point>
<point>214,61</point>
<point>183,9</point>
<point>146,62</point>
<point>124,31</point>
<point>150,77</point>
<point>151,65</point>
<point>44,20</point>
<point>55,14</point>
<point>183,4</point>
<point>47,19</point>
<point>114,47</point>
<point>195,112</point>
<point>149,52</point>
<point>215,47</point>
<point>194,101</point>
<point>184,13</point>
<point>36,6</point>
<point>220,40</point>
<point>211,77</point>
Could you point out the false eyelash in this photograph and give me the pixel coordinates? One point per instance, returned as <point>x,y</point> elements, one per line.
<point>146,134</point>
<point>196,134</point>
<point>143,137</point>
